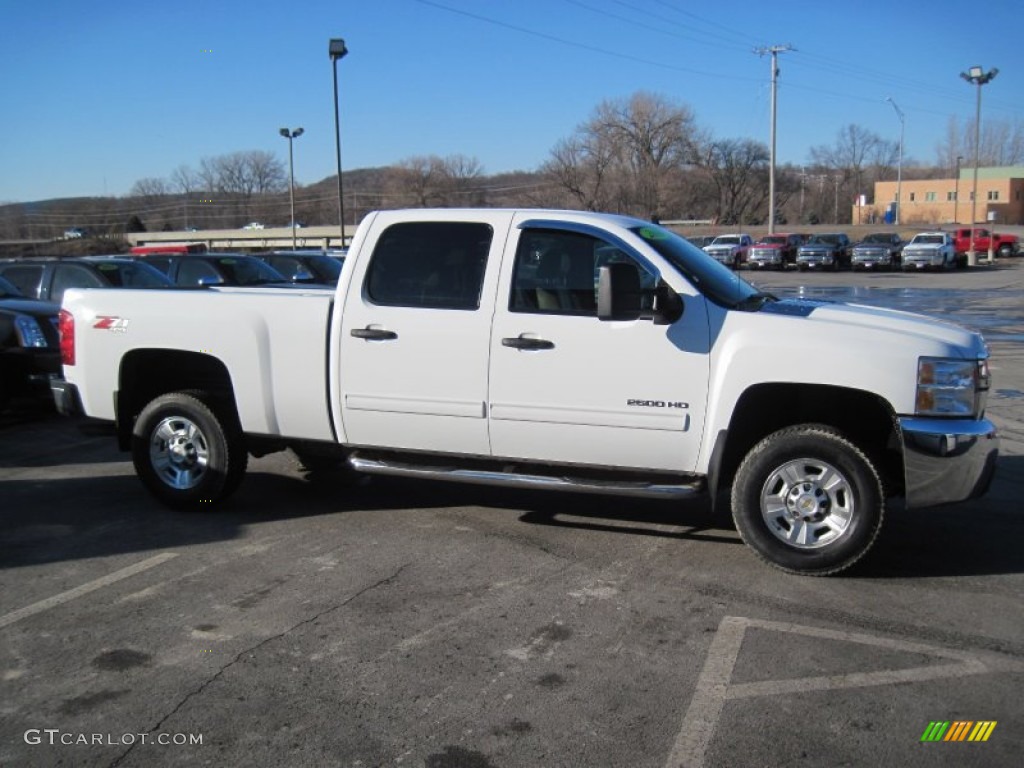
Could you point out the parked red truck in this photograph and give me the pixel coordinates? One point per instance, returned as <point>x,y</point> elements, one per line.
<point>1003,245</point>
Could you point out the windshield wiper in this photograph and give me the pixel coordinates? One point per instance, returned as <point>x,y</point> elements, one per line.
<point>756,300</point>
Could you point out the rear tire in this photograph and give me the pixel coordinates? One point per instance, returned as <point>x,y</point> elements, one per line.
<point>808,501</point>
<point>189,453</point>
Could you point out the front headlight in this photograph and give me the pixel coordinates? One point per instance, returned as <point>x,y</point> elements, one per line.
<point>30,332</point>
<point>949,387</point>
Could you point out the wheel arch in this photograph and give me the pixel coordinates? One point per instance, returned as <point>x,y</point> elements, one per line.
<point>862,417</point>
<point>146,374</point>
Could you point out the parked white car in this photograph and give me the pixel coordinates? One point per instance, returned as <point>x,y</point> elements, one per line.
<point>254,225</point>
<point>581,352</point>
<point>930,250</point>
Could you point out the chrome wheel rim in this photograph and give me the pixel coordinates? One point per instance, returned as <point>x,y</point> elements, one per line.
<point>807,503</point>
<point>179,452</point>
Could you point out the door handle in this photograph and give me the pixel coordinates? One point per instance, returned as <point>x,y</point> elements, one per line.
<point>374,334</point>
<point>522,342</point>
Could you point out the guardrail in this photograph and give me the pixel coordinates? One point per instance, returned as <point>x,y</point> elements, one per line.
<point>323,238</point>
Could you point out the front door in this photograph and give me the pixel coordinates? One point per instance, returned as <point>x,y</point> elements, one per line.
<point>569,388</point>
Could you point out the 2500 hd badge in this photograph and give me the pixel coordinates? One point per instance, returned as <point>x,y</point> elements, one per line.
<point>657,403</point>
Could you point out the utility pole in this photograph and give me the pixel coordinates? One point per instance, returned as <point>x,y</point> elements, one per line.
<point>899,166</point>
<point>774,50</point>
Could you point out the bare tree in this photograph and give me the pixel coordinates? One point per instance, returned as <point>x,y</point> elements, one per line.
<point>627,156</point>
<point>580,165</point>
<point>857,159</point>
<point>422,177</point>
<point>1002,143</point>
<point>462,176</point>
<point>738,169</point>
<point>149,188</point>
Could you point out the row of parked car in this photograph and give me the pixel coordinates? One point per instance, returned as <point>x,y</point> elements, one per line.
<point>32,289</point>
<point>834,250</point>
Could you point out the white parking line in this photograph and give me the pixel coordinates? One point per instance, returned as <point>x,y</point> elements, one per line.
<point>84,589</point>
<point>713,687</point>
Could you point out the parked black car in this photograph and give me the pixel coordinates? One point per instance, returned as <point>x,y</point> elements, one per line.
<point>828,251</point>
<point>29,344</point>
<point>306,266</point>
<point>879,250</point>
<point>47,279</point>
<point>214,269</point>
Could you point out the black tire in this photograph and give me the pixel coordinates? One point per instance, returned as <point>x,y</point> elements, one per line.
<point>838,520</point>
<point>188,453</point>
<point>1005,251</point>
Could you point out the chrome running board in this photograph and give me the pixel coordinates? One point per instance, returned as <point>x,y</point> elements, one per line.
<point>637,489</point>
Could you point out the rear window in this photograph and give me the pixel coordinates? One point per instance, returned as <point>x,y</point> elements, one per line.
<point>430,264</point>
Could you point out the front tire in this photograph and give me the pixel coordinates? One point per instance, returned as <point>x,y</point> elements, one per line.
<point>808,501</point>
<point>187,452</point>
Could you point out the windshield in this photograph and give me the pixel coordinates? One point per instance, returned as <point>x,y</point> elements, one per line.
<point>772,240</point>
<point>928,240</point>
<point>878,238</point>
<point>132,274</point>
<point>827,239</point>
<point>325,269</point>
<point>8,291</point>
<point>246,270</point>
<point>713,279</point>
<point>726,240</point>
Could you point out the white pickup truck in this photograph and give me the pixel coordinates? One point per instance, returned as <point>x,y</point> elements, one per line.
<point>547,349</point>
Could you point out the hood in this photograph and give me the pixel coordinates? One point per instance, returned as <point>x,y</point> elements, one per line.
<point>847,318</point>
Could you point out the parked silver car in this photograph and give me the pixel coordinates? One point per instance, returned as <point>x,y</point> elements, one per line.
<point>731,250</point>
<point>930,250</point>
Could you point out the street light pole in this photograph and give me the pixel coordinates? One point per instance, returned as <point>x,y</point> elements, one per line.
<point>956,190</point>
<point>290,135</point>
<point>977,76</point>
<point>336,50</point>
<point>899,164</point>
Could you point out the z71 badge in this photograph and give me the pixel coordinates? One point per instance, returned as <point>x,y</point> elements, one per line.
<point>111,323</point>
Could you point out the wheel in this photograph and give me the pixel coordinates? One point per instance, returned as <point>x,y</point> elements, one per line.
<point>186,453</point>
<point>808,501</point>
<point>1005,251</point>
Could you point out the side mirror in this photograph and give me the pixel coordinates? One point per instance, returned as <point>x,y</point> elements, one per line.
<point>668,305</point>
<point>210,280</point>
<point>618,292</point>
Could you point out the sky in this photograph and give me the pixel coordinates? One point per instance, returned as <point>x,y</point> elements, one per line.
<point>101,94</point>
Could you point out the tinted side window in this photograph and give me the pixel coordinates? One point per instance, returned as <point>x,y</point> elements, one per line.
<point>556,272</point>
<point>432,264</point>
<point>25,278</point>
<point>190,271</point>
<point>163,263</point>
<point>72,276</point>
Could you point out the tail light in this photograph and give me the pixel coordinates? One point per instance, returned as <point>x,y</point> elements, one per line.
<point>66,328</point>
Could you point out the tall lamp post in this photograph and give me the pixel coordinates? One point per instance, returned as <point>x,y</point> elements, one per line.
<point>290,135</point>
<point>899,163</point>
<point>976,76</point>
<point>956,190</point>
<point>336,50</point>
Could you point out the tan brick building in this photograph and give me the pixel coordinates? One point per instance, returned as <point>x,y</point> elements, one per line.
<point>945,201</point>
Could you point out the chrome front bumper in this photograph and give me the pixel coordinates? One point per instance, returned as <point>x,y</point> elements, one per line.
<point>947,461</point>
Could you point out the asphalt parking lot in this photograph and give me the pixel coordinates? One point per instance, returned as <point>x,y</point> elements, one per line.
<point>408,623</point>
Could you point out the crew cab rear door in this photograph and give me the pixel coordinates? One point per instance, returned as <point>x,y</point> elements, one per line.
<point>567,387</point>
<point>415,331</point>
